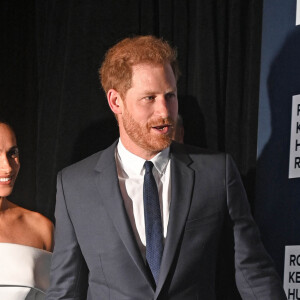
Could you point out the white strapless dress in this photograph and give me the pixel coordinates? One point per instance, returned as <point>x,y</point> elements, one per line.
<point>24,272</point>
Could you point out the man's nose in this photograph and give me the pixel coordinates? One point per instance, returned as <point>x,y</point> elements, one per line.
<point>162,108</point>
<point>5,164</point>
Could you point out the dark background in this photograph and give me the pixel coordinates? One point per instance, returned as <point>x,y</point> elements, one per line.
<point>50,92</point>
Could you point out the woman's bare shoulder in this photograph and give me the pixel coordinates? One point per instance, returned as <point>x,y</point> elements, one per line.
<point>41,225</point>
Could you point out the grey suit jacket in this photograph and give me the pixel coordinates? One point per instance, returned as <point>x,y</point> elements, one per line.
<point>97,257</point>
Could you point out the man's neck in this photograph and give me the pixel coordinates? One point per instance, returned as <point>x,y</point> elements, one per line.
<point>138,151</point>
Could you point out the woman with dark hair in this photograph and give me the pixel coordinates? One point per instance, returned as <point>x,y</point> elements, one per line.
<point>26,237</point>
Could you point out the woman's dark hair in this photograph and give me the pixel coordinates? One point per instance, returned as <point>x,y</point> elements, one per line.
<point>3,121</point>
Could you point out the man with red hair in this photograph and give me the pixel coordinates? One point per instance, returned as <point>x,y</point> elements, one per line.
<point>148,218</point>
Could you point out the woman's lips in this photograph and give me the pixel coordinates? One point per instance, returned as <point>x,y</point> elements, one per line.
<point>6,180</point>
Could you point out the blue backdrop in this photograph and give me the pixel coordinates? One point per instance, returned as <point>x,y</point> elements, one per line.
<point>277,204</point>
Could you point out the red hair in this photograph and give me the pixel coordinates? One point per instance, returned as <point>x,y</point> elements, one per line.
<point>116,70</point>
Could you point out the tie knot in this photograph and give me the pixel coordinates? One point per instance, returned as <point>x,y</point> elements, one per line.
<point>148,166</point>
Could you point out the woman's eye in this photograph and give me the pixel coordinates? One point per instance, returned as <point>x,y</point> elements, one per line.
<point>13,153</point>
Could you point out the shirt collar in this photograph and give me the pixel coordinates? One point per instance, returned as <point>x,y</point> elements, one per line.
<point>134,165</point>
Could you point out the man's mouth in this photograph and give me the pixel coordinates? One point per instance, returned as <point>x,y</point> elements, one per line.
<point>162,128</point>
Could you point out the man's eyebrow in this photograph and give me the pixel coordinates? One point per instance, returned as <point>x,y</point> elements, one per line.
<point>171,91</point>
<point>152,92</point>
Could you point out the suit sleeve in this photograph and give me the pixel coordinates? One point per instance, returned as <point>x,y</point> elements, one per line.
<point>256,277</point>
<point>68,275</point>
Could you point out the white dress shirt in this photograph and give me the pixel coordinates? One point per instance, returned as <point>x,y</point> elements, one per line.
<point>131,178</point>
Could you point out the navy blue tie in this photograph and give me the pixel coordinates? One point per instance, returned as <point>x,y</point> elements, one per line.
<point>153,226</point>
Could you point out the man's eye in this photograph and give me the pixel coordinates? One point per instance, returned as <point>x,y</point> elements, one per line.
<point>13,153</point>
<point>170,95</point>
<point>149,97</point>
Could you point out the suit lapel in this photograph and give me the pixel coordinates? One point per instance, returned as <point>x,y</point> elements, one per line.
<point>182,181</point>
<point>108,186</point>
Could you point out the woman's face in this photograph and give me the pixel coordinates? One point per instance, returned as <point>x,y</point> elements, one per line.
<point>9,160</point>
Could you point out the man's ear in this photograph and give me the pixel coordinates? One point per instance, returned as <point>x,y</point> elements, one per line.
<point>115,101</point>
